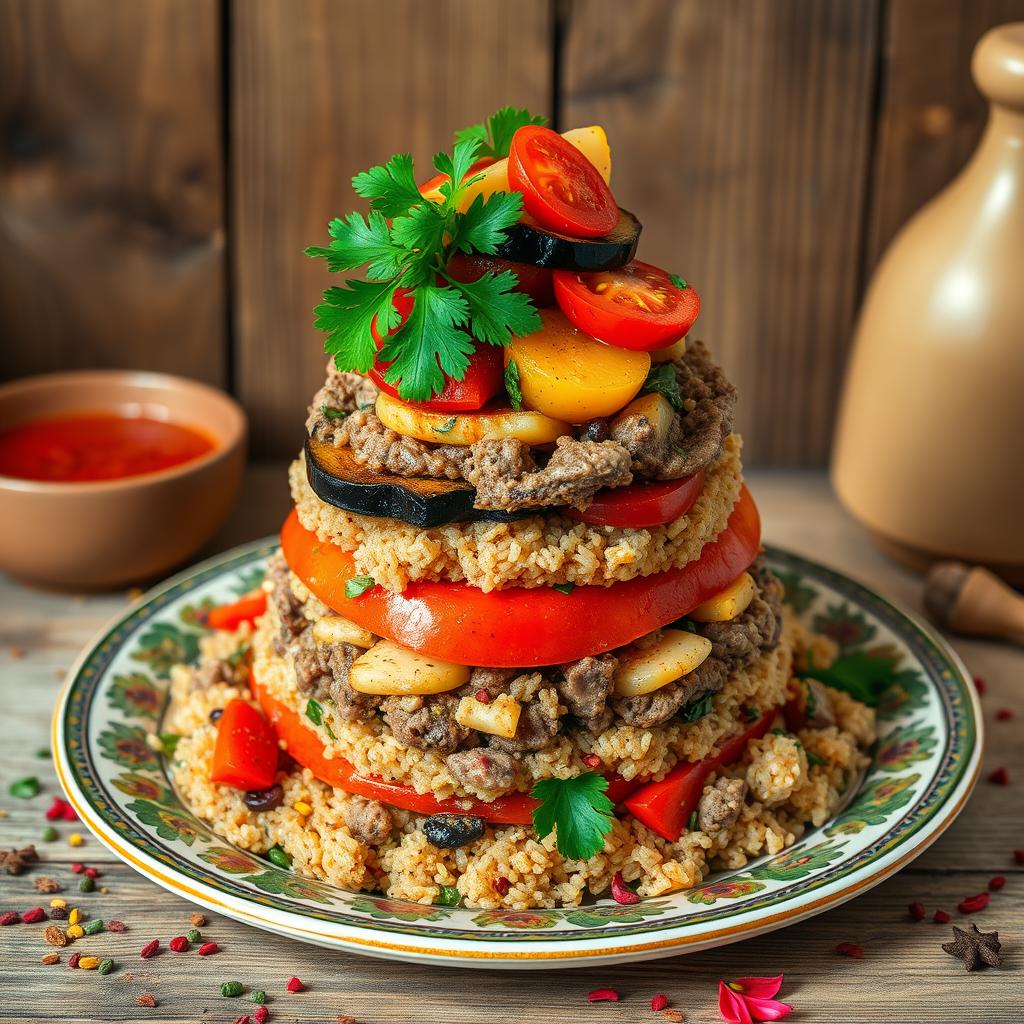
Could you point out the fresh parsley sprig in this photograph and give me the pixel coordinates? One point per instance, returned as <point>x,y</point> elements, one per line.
<point>865,677</point>
<point>495,134</point>
<point>580,809</point>
<point>405,242</point>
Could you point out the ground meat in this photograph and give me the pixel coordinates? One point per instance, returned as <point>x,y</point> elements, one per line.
<point>208,673</point>
<point>287,606</point>
<point>385,451</point>
<point>483,768</point>
<point>368,820</point>
<point>651,709</point>
<point>720,805</point>
<point>505,477</point>
<point>426,723</point>
<point>491,680</point>
<point>342,392</point>
<point>740,641</point>
<point>321,670</point>
<point>585,687</point>
<point>537,727</point>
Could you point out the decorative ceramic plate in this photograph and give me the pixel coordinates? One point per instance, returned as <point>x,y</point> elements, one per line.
<point>923,769</point>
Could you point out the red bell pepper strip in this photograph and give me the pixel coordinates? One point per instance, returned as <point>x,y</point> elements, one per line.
<point>665,807</point>
<point>245,755</point>
<point>231,616</point>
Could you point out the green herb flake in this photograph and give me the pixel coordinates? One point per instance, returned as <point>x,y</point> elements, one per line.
<point>691,825</point>
<point>232,989</point>
<point>275,854</point>
<point>315,713</point>
<point>661,380</point>
<point>495,135</point>
<point>679,282</point>
<point>563,588</point>
<point>813,758</point>
<point>449,896</point>
<point>331,413</point>
<point>358,585</point>
<point>49,834</point>
<point>698,709</point>
<point>26,788</point>
<point>43,753</point>
<point>513,385</point>
<point>169,743</point>
<point>686,625</point>
<point>751,714</point>
<point>447,427</point>
<point>579,808</point>
<point>258,996</point>
<point>237,656</point>
<point>865,677</point>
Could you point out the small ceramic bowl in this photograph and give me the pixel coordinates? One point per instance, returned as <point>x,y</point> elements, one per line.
<point>111,533</point>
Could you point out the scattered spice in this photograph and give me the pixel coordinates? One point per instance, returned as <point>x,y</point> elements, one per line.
<point>976,949</point>
<point>482,696</point>
<point>116,926</point>
<point>1004,714</point>
<point>93,927</point>
<point>659,1002</point>
<point>980,685</point>
<point>50,959</point>
<point>232,989</point>
<point>850,949</point>
<point>621,892</point>
<point>17,862</point>
<point>58,902</point>
<point>603,995</point>
<point>9,917</point>
<point>149,949</point>
<point>749,998</point>
<point>75,839</point>
<point>53,936</point>
<point>261,1016</point>
<point>86,884</point>
<point>34,916</point>
<point>258,996</point>
<point>106,966</point>
<point>93,873</point>
<point>194,935</point>
<point>1018,856</point>
<point>59,913</point>
<point>46,885</point>
<point>26,788</point>
<point>197,921</point>
<point>179,944</point>
<point>294,985</point>
<point>208,948</point>
<point>244,1019</point>
<point>996,882</point>
<point>89,963</point>
<point>73,960</point>
<point>344,1018</point>
<point>76,931</point>
<point>501,885</point>
<point>146,1000</point>
<point>673,1015</point>
<point>76,868</point>
<point>17,652</point>
<point>973,904</point>
<point>75,915</point>
<point>916,911</point>
<point>941,917</point>
<point>999,777</point>
<point>49,834</point>
<point>55,812</point>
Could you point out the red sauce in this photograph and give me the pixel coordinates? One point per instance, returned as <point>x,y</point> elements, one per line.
<point>96,446</point>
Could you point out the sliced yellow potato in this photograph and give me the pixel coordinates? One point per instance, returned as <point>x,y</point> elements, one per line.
<point>655,409</point>
<point>728,603</point>
<point>498,718</point>
<point>467,427</point>
<point>592,142</point>
<point>390,670</point>
<point>569,375</point>
<point>336,629</point>
<point>670,353</point>
<point>644,669</point>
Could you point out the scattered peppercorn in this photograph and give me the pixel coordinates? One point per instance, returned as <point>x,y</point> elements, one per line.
<point>49,834</point>
<point>941,917</point>
<point>232,989</point>
<point>197,921</point>
<point>34,916</point>
<point>50,959</point>
<point>1004,714</point>
<point>10,917</point>
<point>53,936</point>
<point>916,911</point>
<point>261,1016</point>
<point>850,949</point>
<point>93,927</point>
<point>116,926</point>
<point>208,948</point>
<point>146,1000</point>
<point>106,966</point>
<point>86,884</point>
<point>194,935</point>
<point>258,996</point>
<point>294,985</point>
<point>973,904</point>
<point>91,873</point>
<point>26,788</point>
<point>149,949</point>
<point>73,960</point>
<point>179,944</point>
<point>996,883</point>
<point>980,685</point>
<point>603,995</point>
<point>999,777</point>
<point>659,1002</point>
<point>59,914</point>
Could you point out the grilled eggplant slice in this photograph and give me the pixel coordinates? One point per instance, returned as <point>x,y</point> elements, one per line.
<point>528,242</point>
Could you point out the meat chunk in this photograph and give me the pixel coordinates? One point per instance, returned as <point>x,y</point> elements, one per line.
<point>368,820</point>
<point>342,392</point>
<point>537,727</point>
<point>287,606</point>
<point>385,451</point>
<point>504,474</point>
<point>426,723</point>
<point>651,709</point>
<point>721,805</point>
<point>740,641</point>
<point>811,706</point>
<point>585,687</point>
<point>322,670</point>
<point>208,673</point>
<point>484,768</point>
<point>491,680</point>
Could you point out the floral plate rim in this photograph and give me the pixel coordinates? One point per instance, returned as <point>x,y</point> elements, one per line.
<point>815,893</point>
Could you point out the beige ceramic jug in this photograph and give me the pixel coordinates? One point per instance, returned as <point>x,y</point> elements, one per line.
<point>929,450</point>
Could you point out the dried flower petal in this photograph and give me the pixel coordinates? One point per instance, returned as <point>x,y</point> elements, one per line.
<point>980,685</point>
<point>294,985</point>
<point>941,917</point>
<point>1004,714</point>
<point>916,911</point>
<point>603,995</point>
<point>973,904</point>
<point>146,1000</point>
<point>621,892</point>
<point>996,882</point>
<point>999,777</point>
<point>750,999</point>
<point>659,1002</point>
<point>850,949</point>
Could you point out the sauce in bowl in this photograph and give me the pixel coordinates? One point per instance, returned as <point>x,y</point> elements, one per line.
<point>91,446</point>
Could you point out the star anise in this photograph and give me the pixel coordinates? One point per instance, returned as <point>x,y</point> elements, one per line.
<point>16,862</point>
<point>976,949</point>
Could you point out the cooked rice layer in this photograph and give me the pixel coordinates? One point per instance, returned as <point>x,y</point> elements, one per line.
<point>534,552</point>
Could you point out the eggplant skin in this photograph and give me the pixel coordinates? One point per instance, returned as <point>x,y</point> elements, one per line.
<point>528,243</point>
<point>419,502</point>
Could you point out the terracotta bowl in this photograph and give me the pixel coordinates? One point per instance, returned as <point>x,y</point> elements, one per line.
<point>110,533</point>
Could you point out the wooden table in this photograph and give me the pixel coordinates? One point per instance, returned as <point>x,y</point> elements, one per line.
<point>905,976</point>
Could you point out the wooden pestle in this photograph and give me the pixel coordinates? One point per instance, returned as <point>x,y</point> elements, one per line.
<point>973,601</point>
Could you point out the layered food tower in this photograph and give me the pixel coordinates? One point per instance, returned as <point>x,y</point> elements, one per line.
<point>519,645</point>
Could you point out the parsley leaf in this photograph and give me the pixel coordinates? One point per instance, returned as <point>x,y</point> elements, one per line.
<point>330,413</point>
<point>315,713</point>
<point>579,808</point>
<point>678,281</point>
<point>356,586</point>
<point>563,588</point>
<point>513,385</point>
<point>356,241</point>
<point>482,226</point>
<point>495,136</point>
<point>496,311</point>
<point>697,709</point>
<point>865,677</point>
<point>813,758</point>
<point>662,380</point>
<point>346,314</point>
<point>456,167</point>
<point>391,189</point>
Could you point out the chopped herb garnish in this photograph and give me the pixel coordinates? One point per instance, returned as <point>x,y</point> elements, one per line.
<point>513,385</point>
<point>449,896</point>
<point>276,855</point>
<point>697,709</point>
<point>686,625</point>
<point>751,714</point>
<point>169,743</point>
<point>691,825</point>
<point>26,788</point>
<point>865,677</point>
<point>813,758</point>
<point>315,713</point>
<point>356,586</point>
<point>579,808</point>
<point>237,656</point>
<point>563,588</point>
<point>447,427</point>
<point>331,413</point>
<point>661,380</point>
<point>43,753</point>
<point>495,136</point>
<point>679,282</point>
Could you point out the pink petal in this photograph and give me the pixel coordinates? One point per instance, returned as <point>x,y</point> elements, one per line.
<point>767,1009</point>
<point>760,988</point>
<point>731,1006</point>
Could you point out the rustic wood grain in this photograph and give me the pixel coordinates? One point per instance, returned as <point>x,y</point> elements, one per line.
<point>930,113</point>
<point>111,182</point>
<point>321,91</point>
<point>740,135</point>
<point>904,979</point>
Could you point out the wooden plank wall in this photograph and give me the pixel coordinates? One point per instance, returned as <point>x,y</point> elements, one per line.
<point>164,162</point>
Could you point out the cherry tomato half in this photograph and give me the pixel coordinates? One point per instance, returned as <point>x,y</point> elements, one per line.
<point>245,754</point>
<point>562,190</point>
<point>641,506</point>
<point>484,378</point>
<point>533,281</point>
<point>636,306</point>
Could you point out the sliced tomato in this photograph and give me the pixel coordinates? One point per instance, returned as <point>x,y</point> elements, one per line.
<point>562,190</point>
<point>305,746</point>
<point>637,306</point>
<point>665,806</point>
<point>533,281</point>
<point>524,627</point>
<point>245,754</point>
<point>231,616</point>
<point>484,378</point>
<point>641,506</point>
